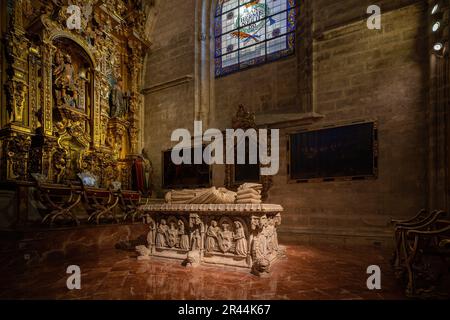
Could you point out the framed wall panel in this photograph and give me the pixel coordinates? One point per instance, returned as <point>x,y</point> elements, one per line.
<point>184,176</point>
<point>341,152</point>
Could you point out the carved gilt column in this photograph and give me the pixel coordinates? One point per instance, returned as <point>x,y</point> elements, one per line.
<point>15,121</point>
<point>47,53</point>
<point>136,100</point>
<point>17,71</point>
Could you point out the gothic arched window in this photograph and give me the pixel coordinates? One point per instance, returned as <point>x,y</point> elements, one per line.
<point>251,32</point>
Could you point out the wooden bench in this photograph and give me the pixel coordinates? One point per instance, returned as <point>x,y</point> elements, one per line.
<point>129,202</point>
<point>418,244</point>
<point>99,202</point>
<point>423,221</point>
<point>58,201</point>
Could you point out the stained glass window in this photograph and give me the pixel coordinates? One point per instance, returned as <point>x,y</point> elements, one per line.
<point>251,32</point>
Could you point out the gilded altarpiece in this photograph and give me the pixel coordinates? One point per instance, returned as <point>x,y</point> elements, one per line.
<point>72,94</point>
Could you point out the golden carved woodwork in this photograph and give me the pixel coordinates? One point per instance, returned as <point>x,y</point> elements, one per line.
<point>72,97</point>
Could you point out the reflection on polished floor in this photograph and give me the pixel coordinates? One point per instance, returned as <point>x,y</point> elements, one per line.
<point>307,272</point>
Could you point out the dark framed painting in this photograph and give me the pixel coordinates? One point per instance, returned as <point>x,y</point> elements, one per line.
<point>185,176</point>
<point>346,152</point>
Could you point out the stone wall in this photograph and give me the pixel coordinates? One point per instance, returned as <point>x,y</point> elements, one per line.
<point>358,74</point>
<point>168,83</point>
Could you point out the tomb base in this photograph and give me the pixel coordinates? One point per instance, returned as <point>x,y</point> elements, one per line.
<point>230,235</point>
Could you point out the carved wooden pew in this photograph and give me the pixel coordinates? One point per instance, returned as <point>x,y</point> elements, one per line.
<point>128,203</point>
<point>238,235</point>
<point>422,243</point>
<point>99,202</point>
<point>58,201</point>
<point>422,214</point>
<point>422,220</point>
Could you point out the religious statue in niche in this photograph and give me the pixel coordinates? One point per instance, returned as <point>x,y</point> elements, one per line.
<point>67,82</point>
<point>118,100</point>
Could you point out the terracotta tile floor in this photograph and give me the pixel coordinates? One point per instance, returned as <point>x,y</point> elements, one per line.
<point>307,272</point>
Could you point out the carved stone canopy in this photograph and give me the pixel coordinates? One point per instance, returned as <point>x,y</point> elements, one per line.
<point>243,119</point>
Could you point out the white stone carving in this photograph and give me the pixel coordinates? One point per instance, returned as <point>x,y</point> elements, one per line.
<point>239,235</point>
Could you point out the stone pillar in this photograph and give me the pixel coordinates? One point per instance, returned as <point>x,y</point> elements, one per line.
<point>304,49</point>
<point>439,120</point>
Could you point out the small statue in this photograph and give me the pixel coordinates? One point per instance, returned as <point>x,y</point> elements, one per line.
<point>277,223</point>
<point>269,233</point>
<point>148,173</point>
<point>151,232</point>
<point>172,236</point>
<point>58,67</point>
<point>75,102</point>
<point>241,241</point>
<point>65,81</point>
<point>212,234</point>
<point>69,72</point>
<point>259,248</point>
<point>118,100</point>
<point>161,233</point>
<point>225,238</point>
<point>184,239</point>
<point>196,232</point>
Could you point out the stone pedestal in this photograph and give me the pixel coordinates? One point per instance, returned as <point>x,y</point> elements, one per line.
<point>236,235</point>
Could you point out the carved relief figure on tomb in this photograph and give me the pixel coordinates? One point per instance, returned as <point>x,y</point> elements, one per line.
<point>151,232</point>
<point>161,233</point>
<point>172,235</point>
<point>277,222</point>
<point>196,232</point>
<point>196,239</point>
<point>239,237</point>
<point>269,234</point>
<point>259,255</point>
<point>264,234</point>
<point>259,245</point>
<point>118,100</point>
<point>225,238</point>
<point>212,237</point>
<point>184,238</point>
<point>255,223</point>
